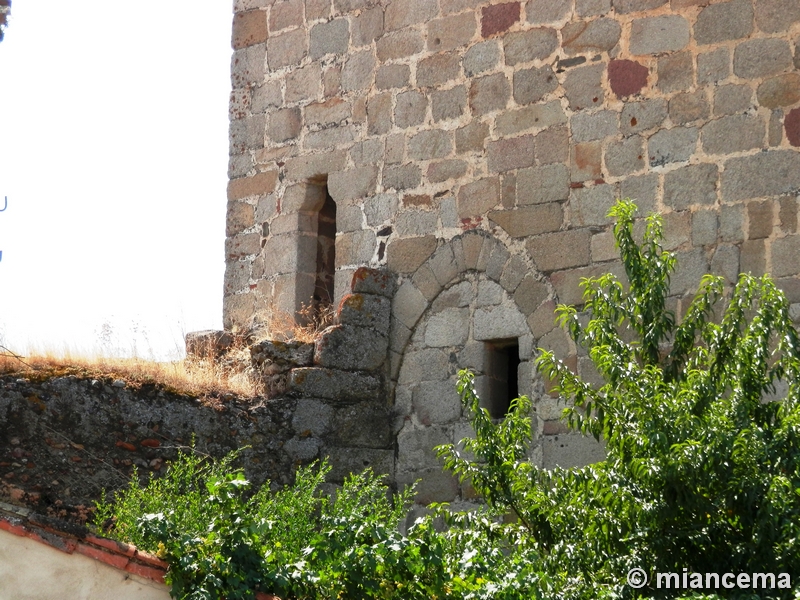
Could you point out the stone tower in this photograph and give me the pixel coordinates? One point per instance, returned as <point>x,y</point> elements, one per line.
<point>470,150</point>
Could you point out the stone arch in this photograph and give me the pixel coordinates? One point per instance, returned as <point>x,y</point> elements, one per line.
<point>470,295</point>
<point>478,252</point>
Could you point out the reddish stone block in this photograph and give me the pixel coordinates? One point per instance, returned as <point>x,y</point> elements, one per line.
<point>258,185</point>
<point>417,200</point>
<point>627,77</point>
<point>498,17</point>
<point>372,281</point>
<point>792,125</point>
<point>783,90</point>
<point>249,28</point>
<point>586,161</point>
<point>471,223</point>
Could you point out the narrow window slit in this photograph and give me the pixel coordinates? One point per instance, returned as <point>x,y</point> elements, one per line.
<point>326,255</point>
<point>502,367</point>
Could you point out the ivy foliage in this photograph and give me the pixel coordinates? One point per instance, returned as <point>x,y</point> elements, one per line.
<point>702,469</point>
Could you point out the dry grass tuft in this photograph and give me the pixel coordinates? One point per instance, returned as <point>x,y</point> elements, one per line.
<point>195,376</point>
<point>274,324</point>
<point>206,373</point>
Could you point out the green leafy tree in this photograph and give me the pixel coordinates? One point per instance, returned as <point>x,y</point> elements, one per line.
<point>702,471</point>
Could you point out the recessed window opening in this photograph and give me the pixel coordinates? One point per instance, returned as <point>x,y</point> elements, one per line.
<point>326,255</point>
<point>502,367</point>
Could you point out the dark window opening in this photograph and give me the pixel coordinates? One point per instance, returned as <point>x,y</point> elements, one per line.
<point>502,367</point>
<point>326,255</point>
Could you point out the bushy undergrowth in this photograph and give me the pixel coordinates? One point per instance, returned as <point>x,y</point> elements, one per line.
<point>225,540</point>
<point>702,473</point>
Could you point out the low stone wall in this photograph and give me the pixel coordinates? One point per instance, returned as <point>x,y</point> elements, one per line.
<point>67,438</point>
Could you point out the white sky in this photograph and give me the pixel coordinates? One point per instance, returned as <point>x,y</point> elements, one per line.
<point>113,155</point>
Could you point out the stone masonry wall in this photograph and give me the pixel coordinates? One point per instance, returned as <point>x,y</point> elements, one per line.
<point>473,149</point>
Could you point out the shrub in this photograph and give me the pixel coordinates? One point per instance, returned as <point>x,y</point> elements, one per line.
<point>224,542</point>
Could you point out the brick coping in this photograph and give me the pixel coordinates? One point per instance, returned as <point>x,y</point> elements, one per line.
<point>70,539</point>
<point>73,538</point>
